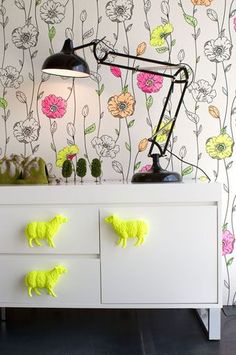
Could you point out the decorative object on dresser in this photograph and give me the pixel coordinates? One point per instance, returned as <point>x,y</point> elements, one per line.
<point>96,170</point>
<point>38,279</point>
<point>179,265</point>
<point>68,63</point>
<point>21,170</point>
<point>128,229</point>
<point>81,168</point>
<point>36,231</point>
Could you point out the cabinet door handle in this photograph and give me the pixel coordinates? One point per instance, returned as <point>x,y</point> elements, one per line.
<point>132,228</point>
<point>37,279</point>
<point>36,231</point>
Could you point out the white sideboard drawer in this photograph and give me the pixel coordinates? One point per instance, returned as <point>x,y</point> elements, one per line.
<point>177,264</point>
<point>80,235</point>
<point>80,286</point>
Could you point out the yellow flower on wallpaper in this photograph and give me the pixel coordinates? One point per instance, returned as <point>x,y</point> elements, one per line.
<point>162,136</point>
<point>122,105</point>
<point>220,147</point>
<point>160,33</point>
<point>68,152</point>
<point>202,2</point>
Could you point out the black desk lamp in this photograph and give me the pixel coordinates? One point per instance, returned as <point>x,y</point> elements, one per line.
<point>67,63</point>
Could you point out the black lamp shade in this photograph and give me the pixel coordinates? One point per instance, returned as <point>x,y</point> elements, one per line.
<point>66,63</point>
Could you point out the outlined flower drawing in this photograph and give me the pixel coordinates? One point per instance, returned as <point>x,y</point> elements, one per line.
<point>149,83</point>
<point>160,33</point>
<point>119,10</point>
<point>54,106</point>
<point>122,105</point>
<point>26,131</point>
<point>102,48</point>
<point>25,37</point>
<point>67,153</point>
<point>10,77</point>
<point>105,146</point>
<point>218,50</point>
<point>220,147</point>
<point>52,12</point>
<point>202,91</point>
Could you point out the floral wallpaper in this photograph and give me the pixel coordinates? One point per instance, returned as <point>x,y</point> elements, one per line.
<point>111,115</point>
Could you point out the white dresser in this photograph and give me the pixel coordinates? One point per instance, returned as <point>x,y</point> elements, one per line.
<point>178,266</point>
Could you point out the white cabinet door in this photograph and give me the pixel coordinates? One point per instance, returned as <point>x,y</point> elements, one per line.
<point>176,264</point>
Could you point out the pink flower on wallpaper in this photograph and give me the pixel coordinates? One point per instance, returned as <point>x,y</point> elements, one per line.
<point>234,24</point>
<point>54,106</point>
<point>228,240</point>
<point>145,168</point>
<point>116,72</point>
<point>149,83</point>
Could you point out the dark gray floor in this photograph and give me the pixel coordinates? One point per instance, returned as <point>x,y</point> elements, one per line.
<point>111,332</point>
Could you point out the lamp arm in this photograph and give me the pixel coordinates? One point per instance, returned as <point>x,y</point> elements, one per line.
<point>165,65</point>
<point>181,76</point>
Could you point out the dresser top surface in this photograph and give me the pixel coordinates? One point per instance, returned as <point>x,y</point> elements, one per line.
<point>110,192</point>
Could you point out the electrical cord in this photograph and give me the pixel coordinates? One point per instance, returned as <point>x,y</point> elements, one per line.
<point>186,162</point>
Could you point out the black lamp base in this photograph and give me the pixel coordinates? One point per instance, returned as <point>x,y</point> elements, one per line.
<point>156,174</point>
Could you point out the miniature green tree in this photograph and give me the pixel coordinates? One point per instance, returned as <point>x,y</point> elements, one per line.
<point>81,168</point>
<point>66,169</point>
<point>96,169</point>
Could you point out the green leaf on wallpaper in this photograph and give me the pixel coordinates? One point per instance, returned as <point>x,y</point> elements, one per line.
<point>230,261</point>
<point>40,95</point>
<point>162,49</point>
<point>173,42</point>
<point>100,91</point>
<point>223,130</point>
<point>38,2</point>
<point>187,170</point>
<point>226,284</point>
<point>131,123</point>
<point>35,149</point>
<point>149,102</point>
<point>53,147</point>
<point>50,51</point>
<point>137,165</point>
<point>90,129</point>
<point>191,20</point>
<point>3,103</point>
<point>51,33</point>
<point>128,146</point>
<point>125,89</point>
<point>224,227</point>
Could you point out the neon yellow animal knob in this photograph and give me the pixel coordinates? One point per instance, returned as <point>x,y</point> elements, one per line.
<point>36,231</point>
<point>37,279</point>
<point>128,229</point>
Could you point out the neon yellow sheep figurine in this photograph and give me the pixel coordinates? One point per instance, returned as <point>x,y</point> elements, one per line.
<point>36,231</point>
<point>43,279</point>
<point>128,229</point>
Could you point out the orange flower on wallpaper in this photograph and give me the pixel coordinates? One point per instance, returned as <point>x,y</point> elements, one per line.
<point>214,112</point>
<point>141,48</point>
<point>202,2</point>
<point>143,145</point>
<point>122,105</point>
